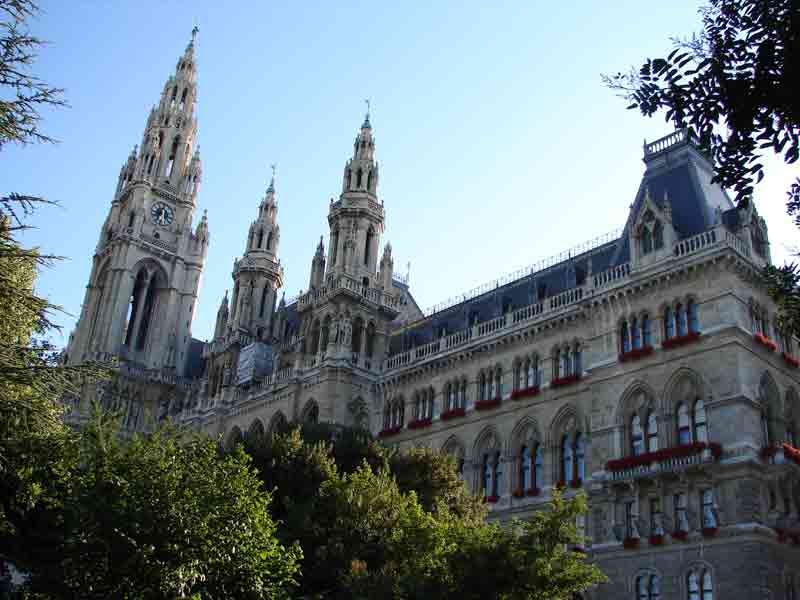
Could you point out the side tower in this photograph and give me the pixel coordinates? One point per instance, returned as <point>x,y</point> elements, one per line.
<point>148,264</point>
<point>345,317</point>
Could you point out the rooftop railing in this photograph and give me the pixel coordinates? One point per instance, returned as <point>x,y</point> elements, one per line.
<point>666,142</point>
<point>618,275</point>
<point>339,282</point>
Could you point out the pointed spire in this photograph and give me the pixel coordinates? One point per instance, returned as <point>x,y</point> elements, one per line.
<point>366,124</point>
<point>271,188</point>
<point>190,46</point>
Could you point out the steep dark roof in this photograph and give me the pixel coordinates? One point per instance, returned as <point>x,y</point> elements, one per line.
<point>194,359</point>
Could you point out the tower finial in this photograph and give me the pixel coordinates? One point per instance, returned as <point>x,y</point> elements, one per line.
<point>195,31</point>
<point>366,117</point>
<point>271,187</point>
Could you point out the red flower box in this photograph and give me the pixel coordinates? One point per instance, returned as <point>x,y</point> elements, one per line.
<point>630,543</point>
<point>419,423</point>
<point>534,491</point>
<point>682,340</point>
<point>709,531</point>
<point>487,404</point>
<point>790,360</point>
<point>680,535</point>
<point>636,354</point>
<point>765,341</point>
<point>789,452</point>
<point>525,392</point>
<point>655,540</point>
<point>452,414</point>
<point>562,381</point>
<point>576,483</point>
<point>647,458</point>
<point>389,431</point>
<point>491,499</point>
<point>518,493</point>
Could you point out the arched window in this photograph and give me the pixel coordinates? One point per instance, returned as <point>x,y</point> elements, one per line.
<point>263,305</point>
<point>525,468</point>
<point>369,180</point>
<point>566,459</point>
<point>487,475</point>
<point>260,238</point>
<point>359,176</point>
<point>482,387</point>
<point>680,315</point>
<point>269,241</point>
<point>368,244</point>
<point>538,467</point>
<point>463,394</point>
<point>636,334</point>
<point>580,457</point>
<point>183,99</point>
<point>707,505</point>
<point>557,363</point>
<point>637,436</point>
<point>694,321</point>
<point>647,587</point>
<point>647,241</point>
<point>625,341</point>
<point>498,391</point>
<point>533,373</point>
<point>699,585</point>
<point>684,424</point>
<point>517,382</point>
<point>646,334</point>
<point>669,323</point>
<point>334,246</point>
<point>699,421</point>
<point>174,96</point>
<point>658,236</point>
<point>171,159</point>
<point>652,432</point>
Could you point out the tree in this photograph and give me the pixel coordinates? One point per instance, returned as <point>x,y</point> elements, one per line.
<point>734,85</point>
<point>158,516</point>
<point>403,525</point>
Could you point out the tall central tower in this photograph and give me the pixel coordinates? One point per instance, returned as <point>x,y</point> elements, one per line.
<point>148,263</point>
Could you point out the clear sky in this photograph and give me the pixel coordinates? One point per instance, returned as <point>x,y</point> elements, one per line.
<point>497,141</point>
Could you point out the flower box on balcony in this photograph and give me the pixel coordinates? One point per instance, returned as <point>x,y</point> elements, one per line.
<point>709,531</point>
<point>568,380</point>
<point>527,392</point>
<point>534,491</point>
<point>680,535</point>
<point>636,354</point>
<point>576,483</point>
<point>419,423</point>
<point>760,338</point>
<point>648,458</point>
<point>487,404</point>
<point>790,360</point>
<point>491,499</point>
<point>630,543</point>
<point>389,431</point>
<point>452,414</point>
<point>788,452</point>
<point>681,340</point>
<point>655,540</point>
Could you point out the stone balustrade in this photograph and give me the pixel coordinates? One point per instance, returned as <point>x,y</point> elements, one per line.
<point>345,282</point>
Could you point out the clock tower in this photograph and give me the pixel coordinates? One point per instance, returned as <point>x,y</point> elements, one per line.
<point>148,263</point>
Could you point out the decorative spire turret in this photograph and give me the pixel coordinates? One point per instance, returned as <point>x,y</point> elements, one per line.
<point>318,267</point>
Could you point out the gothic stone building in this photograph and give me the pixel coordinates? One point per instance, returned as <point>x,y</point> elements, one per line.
<point>643,368</point>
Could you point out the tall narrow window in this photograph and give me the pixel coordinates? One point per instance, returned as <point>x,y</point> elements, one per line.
<point>636,334</point>
<point>625,338</point>
<point>680,315</point>
<point>334,246</point>
<point>538,467</point>
<point>681,513</point>
<point>487,475</point>
<point>631,531</point>
<point>269,241</point>
<point>707,587</point>
<point>183,99</point>
<point>694,321</point>
<point>658,236</point>
<point>517,380</point>
<point>693,586</point>
<point>652,432</point>
<point>530,380</point>
<point>646,334</point>
<point>557,364</point>
<point>637,436</point>
<point>260,238</point>
<point>263,304</point>
<point>647,241</point>
<point>171,160</point>
<point>656,521</point>
<point>699,418</point>
<point>482,387</point>
<point>359,176</point>
<point>369,180</point>
<point>367,244</point>
<point>684,425</point>
<point>498,474</point>
<point>580,457</point>
<point>498,385</point>
<point>707,503</point>
<point>566,459</point>
<point>463,395</point>
<point>524,468</point>
<point>669,323</point>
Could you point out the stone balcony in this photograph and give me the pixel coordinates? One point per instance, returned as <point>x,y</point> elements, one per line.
<point>665,461</point>
<point>349,285</point>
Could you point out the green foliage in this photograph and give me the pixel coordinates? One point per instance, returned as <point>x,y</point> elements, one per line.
<point>158,516</point>
<point>733,85</point>
<point>403,525</point>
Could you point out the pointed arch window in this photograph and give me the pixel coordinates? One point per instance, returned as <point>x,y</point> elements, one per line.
<point>369,180</point>
<point>624,338</point>
<point>359,177</point>
<point>694,320</point>
<point>334,246</point>
<point>517,380</point>
<point>269,241</point>
<point>684,424</point>
<point>646,333</point>
<point>463,395</point>
<point>538,467</point>
<point>699,421</point>
<point>580,458</point>
<point>669,323</point>
<point>636,334</point>
<point>566,459</point>
<point>482,387</point>
<point>652,432</point>
<point>637,436</point>
<point>533,373</point>
<point>647,587</point>
<point>680,316</point>
<point>171,159</point>
<point>183,99</point>
<point>647,241</point>
<point>525,469</point>
<point>658,235</point>
<point>260,238</point>
<point>262,307</point>
<point>367,244</point>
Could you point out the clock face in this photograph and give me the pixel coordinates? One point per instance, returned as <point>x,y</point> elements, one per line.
<point>161,214</point>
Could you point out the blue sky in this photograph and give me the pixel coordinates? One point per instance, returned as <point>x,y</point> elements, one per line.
<point>497,141</point>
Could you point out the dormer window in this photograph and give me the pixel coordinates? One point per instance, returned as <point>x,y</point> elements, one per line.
<point>651,237</point>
